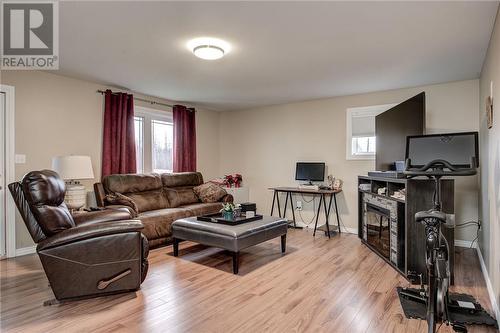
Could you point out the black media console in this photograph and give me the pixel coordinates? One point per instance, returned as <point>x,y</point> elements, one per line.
<point>386,224</point>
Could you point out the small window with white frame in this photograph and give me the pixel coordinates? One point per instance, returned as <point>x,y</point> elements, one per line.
<point>360,130</point>
<point>154,132</point>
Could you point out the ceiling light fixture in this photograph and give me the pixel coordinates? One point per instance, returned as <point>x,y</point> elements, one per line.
<point>208,48</point>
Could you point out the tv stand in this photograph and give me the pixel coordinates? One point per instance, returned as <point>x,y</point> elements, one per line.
<point>382,212</point>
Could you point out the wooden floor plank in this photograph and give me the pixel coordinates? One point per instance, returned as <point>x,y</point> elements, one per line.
<point>319,285</point>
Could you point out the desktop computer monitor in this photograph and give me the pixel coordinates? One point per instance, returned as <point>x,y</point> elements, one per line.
<point>310,171</point>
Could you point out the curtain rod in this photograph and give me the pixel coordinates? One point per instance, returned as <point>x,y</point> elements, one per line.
<point>102,92</point>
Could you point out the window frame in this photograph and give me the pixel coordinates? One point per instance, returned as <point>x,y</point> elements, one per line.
<point>148,115</point>
<point>142,139</point>
<point>364,111</point>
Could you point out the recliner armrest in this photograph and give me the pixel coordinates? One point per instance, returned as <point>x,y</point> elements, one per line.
<point>83,232</point>
<point>119,213</point>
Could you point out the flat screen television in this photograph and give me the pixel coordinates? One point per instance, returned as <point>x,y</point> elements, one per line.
<point>310,171</point>
<point>455,148</point>
<point>393,126</point>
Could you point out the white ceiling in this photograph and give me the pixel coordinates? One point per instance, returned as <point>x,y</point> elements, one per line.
<point>282,51</point>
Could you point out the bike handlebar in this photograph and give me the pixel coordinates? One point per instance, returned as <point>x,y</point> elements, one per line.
<point>440,168</point>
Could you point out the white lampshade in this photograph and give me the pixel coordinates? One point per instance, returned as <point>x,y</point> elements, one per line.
<point>73,167</point>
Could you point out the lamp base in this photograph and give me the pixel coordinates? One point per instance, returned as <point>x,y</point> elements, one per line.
<point>75,197</point>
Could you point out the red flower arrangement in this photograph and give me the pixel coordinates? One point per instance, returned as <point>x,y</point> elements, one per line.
<point>234,179</point>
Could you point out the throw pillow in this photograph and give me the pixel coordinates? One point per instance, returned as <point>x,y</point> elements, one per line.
<point>209,192</point>
<point>120,199</point>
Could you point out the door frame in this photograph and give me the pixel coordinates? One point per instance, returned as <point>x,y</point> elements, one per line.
<point>10,172</point>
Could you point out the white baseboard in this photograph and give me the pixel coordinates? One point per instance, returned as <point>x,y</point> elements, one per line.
<point>350,230</point>
<point>489,286</point>
<point>465,243</point>
<point>26,250</point>
<point>342,228</point>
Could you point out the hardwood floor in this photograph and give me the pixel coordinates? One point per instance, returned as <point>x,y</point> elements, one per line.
<point>319,285</point>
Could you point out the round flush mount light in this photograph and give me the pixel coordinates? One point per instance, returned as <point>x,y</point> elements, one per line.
<point>208,48</point>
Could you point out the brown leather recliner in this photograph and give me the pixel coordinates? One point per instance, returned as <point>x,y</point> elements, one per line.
<point>90,255</point>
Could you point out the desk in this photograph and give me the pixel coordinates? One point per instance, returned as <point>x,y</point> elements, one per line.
<point>322,199</point>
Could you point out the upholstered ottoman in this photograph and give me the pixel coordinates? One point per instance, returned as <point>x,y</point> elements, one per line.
<point>229,237</point>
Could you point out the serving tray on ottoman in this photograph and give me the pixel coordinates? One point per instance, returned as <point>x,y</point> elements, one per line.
<point>229,237</point>
<point>219,218</point>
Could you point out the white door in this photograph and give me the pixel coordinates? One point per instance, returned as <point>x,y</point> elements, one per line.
<point>3,193</point>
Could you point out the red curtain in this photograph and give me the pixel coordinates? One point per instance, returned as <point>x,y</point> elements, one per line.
<point>118,147</point>
<point>184,139</point>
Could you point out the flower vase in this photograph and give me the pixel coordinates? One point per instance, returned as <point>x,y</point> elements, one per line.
<point>228,215</point>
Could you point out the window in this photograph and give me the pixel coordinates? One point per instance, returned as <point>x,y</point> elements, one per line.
<point>153,140</point>
<point>360,130</point>
<point>162,146</point>
<point>363,145</point>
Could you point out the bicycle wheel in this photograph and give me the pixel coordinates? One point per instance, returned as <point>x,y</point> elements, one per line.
<point>431,307</point>
<point>432,295</point>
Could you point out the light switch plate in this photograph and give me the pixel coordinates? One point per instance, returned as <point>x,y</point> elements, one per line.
<point>20,158</point>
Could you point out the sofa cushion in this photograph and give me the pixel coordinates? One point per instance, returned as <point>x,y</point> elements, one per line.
<point>149,200</point>
<point>145,190</point>
<point>131,183</point>
<point>198,209</point>
<point>157,223</point>
<point>179,196</point>
<point>181,179</point>
<point>209,192</point>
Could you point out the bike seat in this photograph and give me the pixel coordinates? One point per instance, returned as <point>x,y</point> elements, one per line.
<point>434,214</point>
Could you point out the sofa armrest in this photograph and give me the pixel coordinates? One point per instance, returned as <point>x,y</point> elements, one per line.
<point>133,214</point>
<point>90,231</point>
<point>105,215</point>
<point>227,198</point>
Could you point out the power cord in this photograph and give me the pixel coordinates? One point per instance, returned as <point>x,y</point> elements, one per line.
<point>475,239</point>
<point>314,210</point>
<point>465,224</point>
<point>304,199</point>
<point>469,223</point>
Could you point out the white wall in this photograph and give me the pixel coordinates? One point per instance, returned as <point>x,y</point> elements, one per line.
<point>263,144</point>
<point>489,240</point>
<point>57,115</point>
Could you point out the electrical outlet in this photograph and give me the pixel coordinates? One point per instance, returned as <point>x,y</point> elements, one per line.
<point>299,205</point>
<point>20,159</point>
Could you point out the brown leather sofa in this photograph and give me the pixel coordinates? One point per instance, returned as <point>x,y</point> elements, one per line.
<point>157,200</point>
<point>90,255</point>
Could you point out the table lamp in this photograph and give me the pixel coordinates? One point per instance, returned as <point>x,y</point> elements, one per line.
<point>73,168</point>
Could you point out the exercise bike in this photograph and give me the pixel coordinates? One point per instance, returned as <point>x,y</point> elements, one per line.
<point>436,156</point>
<point>436,295</point>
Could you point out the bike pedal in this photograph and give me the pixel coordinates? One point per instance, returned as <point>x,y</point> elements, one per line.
<point>461,328</point>
<point>414,277</point>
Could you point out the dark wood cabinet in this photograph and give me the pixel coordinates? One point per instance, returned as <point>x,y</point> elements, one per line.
<point>409,235</point>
